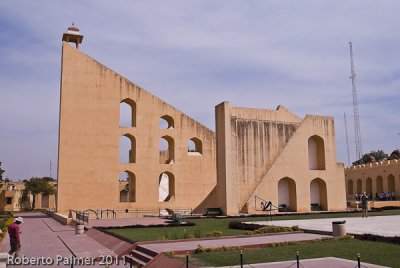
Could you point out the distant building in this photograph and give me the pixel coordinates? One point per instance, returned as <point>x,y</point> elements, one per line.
<point>13,198</point>
<point>375,179</point>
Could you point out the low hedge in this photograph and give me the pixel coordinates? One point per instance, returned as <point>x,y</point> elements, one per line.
<point>201,249</point>
<point>253,228</point>
<point>244,226</point>
<point>379,238</point>
<point>4,226</point>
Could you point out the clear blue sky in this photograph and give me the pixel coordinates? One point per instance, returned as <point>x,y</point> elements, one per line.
<point>195,54</point>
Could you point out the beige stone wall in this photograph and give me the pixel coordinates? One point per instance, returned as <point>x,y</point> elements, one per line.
<point>383,176</point>
<point>89,167</point>
<point>257,148</point>
<point>254,149</point>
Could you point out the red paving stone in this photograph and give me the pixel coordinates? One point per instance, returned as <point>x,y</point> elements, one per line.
<point>38,239</point>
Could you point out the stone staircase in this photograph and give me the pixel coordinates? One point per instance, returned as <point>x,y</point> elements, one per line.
<point>140,256</point>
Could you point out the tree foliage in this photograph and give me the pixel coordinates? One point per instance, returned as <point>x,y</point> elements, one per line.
<point>1,172</point>
<point>36,186</point>
<point>1,175</point>
<point>371,157</point>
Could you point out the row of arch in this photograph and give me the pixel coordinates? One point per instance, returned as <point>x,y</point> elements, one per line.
<point>359,186</point>
<point>287,194</point>
<point>127,116</point>
<point>127,143</point>
<point>127,151</point>
<point>127,187</point>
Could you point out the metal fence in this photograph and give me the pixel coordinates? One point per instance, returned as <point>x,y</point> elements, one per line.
<point>127,213</point>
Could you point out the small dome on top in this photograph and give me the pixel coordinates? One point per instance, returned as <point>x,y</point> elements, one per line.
<point>73,29</point>
<point>73,35</point>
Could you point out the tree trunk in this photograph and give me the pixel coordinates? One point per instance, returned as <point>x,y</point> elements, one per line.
<point>33,201</point>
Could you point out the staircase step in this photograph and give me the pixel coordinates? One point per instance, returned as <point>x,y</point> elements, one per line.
<point>141,256</point>
<point>134,261</point>
<point>146,251</point>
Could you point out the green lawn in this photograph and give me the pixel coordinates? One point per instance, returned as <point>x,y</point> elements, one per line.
<point>207,225</point>
<point>372,252</point>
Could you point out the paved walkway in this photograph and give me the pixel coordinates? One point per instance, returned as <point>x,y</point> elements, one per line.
<point>229,242</point>
<point>43,236</point>
<point>329,262</point>
<point>379,225</point>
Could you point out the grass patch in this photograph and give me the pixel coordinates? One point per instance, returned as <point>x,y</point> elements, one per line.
<point>210,225</point>
<point>372,252</point>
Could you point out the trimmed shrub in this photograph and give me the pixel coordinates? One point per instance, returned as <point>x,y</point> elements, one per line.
<point>201,249</point>
<point>272,229</point>
<point>244,226</point>
<point>371,237</point>
<point>214,234</point>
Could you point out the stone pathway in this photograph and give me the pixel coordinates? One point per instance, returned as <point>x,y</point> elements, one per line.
<point>43,236</point>
<point>379,225</point>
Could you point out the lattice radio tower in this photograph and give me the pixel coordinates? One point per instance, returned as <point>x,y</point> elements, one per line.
<point>357,130</point>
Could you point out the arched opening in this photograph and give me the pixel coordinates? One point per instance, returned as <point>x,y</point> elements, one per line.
<point>318,195</point>
<point>316,153</point>
<point>379,184</point>
<point>287,198</point>
<point>167,150</point>
<point>359,186</point>
<point>368,187</point>
<point>350,187</point>
<point>166,122</point>
<point>127,113</point>
<point>127,187</point>
<point>166,187</point>
<point>195,146</point>
<point>391,184</point>
<point>127,149</point>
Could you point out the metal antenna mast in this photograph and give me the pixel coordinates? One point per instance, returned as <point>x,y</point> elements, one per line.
<point>357,130</point>
<point>347,139</point>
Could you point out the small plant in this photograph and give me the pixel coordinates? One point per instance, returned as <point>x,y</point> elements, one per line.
<point>249,233</point>
<point>214,234</point>
<point>201,249</point>
<point>162,238</point>
<point>191,236</point>
<point>272,229</point>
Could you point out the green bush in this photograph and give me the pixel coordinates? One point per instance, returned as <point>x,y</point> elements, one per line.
<point>4,226</point>
<point>214,234</point>
<point>272,229</point>
<point>201,249</point>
